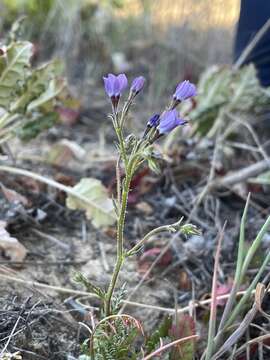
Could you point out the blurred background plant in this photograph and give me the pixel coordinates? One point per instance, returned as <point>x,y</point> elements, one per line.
<point>164,40</point>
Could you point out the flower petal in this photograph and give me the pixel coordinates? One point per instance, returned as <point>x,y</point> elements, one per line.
<point>123,82</point>
<point>184,91</point>
<point>107,86</point>
<point>137,84</point>
<point>168,121</point>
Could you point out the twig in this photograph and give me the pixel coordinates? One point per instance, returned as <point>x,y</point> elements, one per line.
<point>167,346</point>
<point>240,175</point>
<point>62,290</point>
<point>253,134</point>
<point>14,328</point>
<point>52,239</point>
<point>251,45</point>
<point>50,182</point>
<point>103,256</point>
<point>210,179</point>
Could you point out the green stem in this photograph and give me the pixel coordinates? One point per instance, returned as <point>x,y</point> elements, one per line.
<point>122,148</point>
<point>120,245</point>
<point>172,227</point>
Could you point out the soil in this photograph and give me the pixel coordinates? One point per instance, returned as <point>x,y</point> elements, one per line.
<point>44,323</point>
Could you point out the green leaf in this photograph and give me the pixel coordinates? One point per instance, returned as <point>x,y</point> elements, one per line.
<point>80,278</point>
<point>162,332</point>
<point>14,65</point>
<point>36,125</point>
<point>154,165</point>
<point>41,86</point>
<point>99,208</point>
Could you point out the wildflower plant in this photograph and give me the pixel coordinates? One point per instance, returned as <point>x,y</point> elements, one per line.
<point>132,153</point>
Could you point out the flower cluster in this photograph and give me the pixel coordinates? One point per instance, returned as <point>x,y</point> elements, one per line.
<point>158,124</point>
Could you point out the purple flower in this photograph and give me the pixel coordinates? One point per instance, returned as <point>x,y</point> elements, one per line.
<point>184,91</point>
<point>115,85</point>
<point>153,121</point>
<point>137,84</point>
<point>168,121</point>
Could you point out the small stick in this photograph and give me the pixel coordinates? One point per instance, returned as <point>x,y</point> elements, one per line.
<point>131,303</point>
<point>103,256</point>
<point>167,346</point>
<point>241,175</point>
<point>52,239</point>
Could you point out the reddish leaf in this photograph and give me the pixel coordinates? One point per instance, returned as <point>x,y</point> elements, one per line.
<point>13,197</point>
<point>67,115</point>
<point>223,289</point>
<point>185,327</point>
<point>150,255</point>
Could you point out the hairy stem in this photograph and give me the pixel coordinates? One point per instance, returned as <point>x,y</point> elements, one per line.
<point>122,148</point>
<point>172,227</point>
<point>130,167</point>
<point>120,245</point>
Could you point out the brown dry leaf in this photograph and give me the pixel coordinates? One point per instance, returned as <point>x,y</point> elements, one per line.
<point>241,189</point>
<point>31,185</point>
<point>184,281</point>
<point>64,151</point>
<point>13,197</point>
<point>10,246</point>
<point>144,207</point>
<point>14,356</point>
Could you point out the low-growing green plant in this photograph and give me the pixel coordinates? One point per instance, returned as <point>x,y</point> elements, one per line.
<point>28,95</point>
<point>222,338</point>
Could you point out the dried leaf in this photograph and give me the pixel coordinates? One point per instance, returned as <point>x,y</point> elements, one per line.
<point>64,151</point>
<point>150,255</point>
<point>99,208</point>
<point>68,116</point>
<point>13,197</point>
<point>10,246</point>
<point>144,207</point>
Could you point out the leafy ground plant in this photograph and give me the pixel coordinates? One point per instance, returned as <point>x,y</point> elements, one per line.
<point>28,95</point>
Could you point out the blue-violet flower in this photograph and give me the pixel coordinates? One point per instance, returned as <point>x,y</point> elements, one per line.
<point>184,91</point>
<point>137,84</point>
<point>168,121</point>
<point>153,121</point>
<point>114,86</point>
